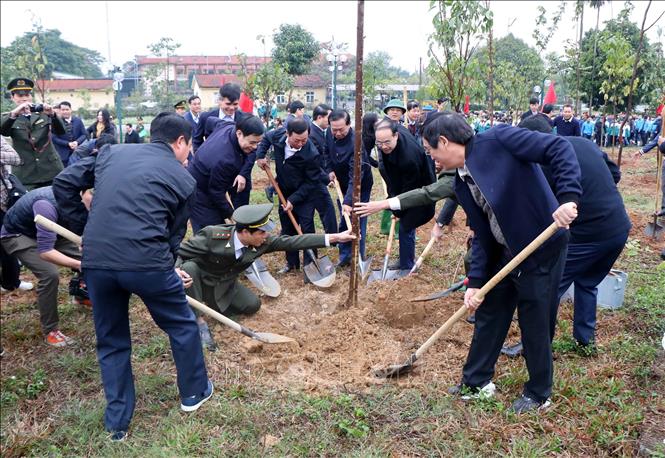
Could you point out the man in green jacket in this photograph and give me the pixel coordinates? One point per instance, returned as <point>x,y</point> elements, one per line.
<point>29,127</point>
<point>217,255</point>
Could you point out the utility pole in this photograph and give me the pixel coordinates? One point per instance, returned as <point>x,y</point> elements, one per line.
<point>352,300</point>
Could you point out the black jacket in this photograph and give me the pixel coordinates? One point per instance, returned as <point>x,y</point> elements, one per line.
<point>339,159</point>
<point>299,177</point>
<point>139,211</point>
<point>132,137</point>
<point>404,169</point>
<point>20,219</point>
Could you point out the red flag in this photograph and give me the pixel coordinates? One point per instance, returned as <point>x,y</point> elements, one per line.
<point>245,103</point>
<point>550,97</point>
<point>466,104</point>
<point>659,110</point>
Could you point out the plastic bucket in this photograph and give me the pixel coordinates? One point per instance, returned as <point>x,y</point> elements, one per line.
<point>611,290</point>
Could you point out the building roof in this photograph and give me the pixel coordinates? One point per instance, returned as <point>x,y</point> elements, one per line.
<point>78,84</point>
<point>309,81</point>
<point>216,81</point>
<point>202,60</point>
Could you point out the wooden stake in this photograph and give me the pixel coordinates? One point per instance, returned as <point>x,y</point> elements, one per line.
<point>352,300</point>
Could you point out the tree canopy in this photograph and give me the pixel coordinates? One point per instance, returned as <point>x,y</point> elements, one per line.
<point>295,48</point>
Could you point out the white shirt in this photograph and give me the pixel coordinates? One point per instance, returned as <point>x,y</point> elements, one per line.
<point>237,245</point>
<point>225,117</point>
<point>288,151</point>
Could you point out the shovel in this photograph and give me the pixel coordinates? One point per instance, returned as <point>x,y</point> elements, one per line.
<point>265,337</point>
<point>385,273</point>
<point>446,292</point>
<point>422,257</point>
<point>364,265</point>
<point>654,229</point>
<point>321,272</point>
<point>258,273</point>
<point>399,369</point>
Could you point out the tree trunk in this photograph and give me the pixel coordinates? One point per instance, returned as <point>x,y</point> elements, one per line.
<point>490,86</point>
<point>632,84</point>
<point>593,59</point>
<point>579,53</point>
<point>352,300</point>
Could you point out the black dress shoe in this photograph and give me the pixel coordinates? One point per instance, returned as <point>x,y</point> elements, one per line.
<point>512,351</point>
<point>286,269</point>
<point>661,213</point>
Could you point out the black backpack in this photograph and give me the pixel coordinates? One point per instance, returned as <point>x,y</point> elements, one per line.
<point>16,191</point>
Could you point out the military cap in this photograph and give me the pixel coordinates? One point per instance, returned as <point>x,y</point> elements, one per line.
<point>395,103</point>
<point>20,84</point>
<point>181,104</point>
<point>254,216</point>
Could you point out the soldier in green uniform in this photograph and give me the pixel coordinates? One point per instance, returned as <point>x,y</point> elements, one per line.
<point>217,255</point>
<point>29,127</point>
<point>180,108</point>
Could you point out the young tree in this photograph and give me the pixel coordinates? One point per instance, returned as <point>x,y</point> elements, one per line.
<point>271,79</point>
<point>459,28</point>
<point>157,76</point>
<point>295,49</point>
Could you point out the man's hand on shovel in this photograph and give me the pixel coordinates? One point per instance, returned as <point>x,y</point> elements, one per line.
<point>471,301</point>
<point>565,214</point>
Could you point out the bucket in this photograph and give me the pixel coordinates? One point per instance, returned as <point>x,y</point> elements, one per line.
<point>611,290</point>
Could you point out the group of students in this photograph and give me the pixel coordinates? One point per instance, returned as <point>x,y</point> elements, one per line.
<point>511,182</point>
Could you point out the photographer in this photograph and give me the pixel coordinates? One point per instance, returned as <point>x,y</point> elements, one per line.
<point>30,126</point>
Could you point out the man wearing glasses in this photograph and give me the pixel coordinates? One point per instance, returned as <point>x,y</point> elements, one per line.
<point>404,166</point>
<point>30,127</point>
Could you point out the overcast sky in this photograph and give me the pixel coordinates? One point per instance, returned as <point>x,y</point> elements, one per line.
<point>222,28</point>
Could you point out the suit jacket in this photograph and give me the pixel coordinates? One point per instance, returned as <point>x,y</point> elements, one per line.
<point>31,138</point>
<point>339,159</point>
<point>214,167</point>
<point>188,116</point>
<point>75,131</point>
<point>212,249</point>
<point>132,137</point>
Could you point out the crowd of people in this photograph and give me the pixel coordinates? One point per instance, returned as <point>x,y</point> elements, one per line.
<point>132,204</point>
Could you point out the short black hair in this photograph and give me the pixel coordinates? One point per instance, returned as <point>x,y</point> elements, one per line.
<point>386,123</point>
<point>297,126</point>
<point>129,124</point>
<point>567,105</point>
<point>320,110</point>
<point>64,102</point>
<point>534,101</point>
<point>105,139</point>
<point>537,123</point>
<point>251,125</point>
<point>168,127</point>
<point>230,91</point>
<point>451,125</point>
<point>547,108</point>
<point>411,105</point>
<point>194,97</point>
<point>338,114</point>
<point>441,100</point>
<point>295,106</point>
<point>368,135</point>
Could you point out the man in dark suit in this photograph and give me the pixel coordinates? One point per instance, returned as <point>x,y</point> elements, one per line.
<point>317,134</point>
<point>566,124</point>
<point>74,135</point>
<point>534,108</point>
<point>194,111</point>
<point>229,97</point>
<point>298,165</point>
<point>216,165</point>
<point>131,136</point>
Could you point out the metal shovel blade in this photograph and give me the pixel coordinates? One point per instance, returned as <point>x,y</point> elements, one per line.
<point>396,370</point>
<point>321,272</point>
<point>654,230</point>
<point>440,294</point>
<point>260,277</point>
<point>269,337</point>
<point>364,267</point>
<point>378,275</point>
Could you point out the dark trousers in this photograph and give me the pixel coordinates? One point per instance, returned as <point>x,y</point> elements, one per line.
<point>535,295</point>
<point>324,207</point>
<point>164,296</point>
<point>240,198</point>
<point>9,275</point>
<point>587,264</point>
<point>345,248</point>
<point>304,215</point>
<point>407,248</point>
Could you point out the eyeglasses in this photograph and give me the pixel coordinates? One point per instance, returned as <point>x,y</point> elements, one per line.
<point>385,143</point>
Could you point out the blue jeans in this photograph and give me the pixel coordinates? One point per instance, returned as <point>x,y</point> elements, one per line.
<point>587,264</point>
<point>164,296</point>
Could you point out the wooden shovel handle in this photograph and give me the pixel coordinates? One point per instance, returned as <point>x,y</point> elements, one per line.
<point>426,251</point>
<point>58,229</point>
<point>500,275</point>
<point>340,197</point>
<point>282,200</point>
<point>391,234</point>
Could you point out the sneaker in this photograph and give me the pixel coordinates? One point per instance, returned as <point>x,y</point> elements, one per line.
<point>118,436</point>
<point>468,393</point>
<point>25,286</point>
<point>526,404</point>
<point>56,338</point>
<point>512,351</point>
<point>206,338</point>
<point>192,403</point>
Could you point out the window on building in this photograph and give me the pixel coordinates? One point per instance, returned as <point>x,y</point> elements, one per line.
<point>281,99</point>
<point>309,97</point>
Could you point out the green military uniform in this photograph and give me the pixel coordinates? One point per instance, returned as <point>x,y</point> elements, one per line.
<point>31,138</point>
<point>441,189</point>
<point>210,259</point>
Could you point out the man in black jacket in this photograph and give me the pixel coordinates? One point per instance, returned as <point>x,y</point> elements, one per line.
<point>131,136</point>
<point>137,221</point>
<point>298,165</point>
<point>404,166</point>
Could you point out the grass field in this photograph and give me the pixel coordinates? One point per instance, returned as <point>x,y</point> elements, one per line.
<point>610,404</point>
